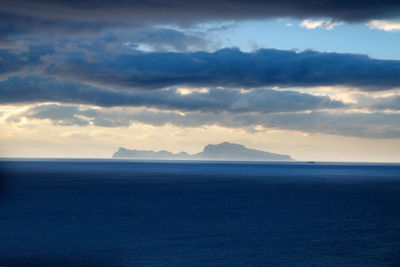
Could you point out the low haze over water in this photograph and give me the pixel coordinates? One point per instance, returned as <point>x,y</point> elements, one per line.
<point>124,213</point>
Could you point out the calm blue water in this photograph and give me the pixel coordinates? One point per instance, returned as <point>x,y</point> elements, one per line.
<point>121,213</point>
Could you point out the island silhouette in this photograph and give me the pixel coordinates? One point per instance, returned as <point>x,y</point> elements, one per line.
<point>224,151</point>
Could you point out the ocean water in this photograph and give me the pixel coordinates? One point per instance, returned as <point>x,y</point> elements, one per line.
<point>124,213</point>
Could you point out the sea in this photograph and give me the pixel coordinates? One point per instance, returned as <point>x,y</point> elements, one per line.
<point>140,213</point>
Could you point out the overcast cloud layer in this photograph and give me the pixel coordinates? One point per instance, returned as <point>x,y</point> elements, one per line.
<point>34,89</point>
<point>232,68</point>
<point>187,11</point>
<point>63,18</point>
<point>225,67</point>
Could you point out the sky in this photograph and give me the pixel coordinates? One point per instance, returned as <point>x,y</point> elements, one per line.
<point>317,80</point>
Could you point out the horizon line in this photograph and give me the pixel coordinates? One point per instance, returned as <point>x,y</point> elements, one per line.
<point>294,161</point>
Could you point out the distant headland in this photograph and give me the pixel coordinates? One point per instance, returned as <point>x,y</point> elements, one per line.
<point>224,151</point>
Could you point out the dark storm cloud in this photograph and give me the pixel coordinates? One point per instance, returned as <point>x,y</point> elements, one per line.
<point>14,28</point>
<point>28,60</point>
<point>33,89</point>
<point>223,68</point>
<point>63,18</point>
<point>10,63</point>
<point>229,68</point>
<point>183,11</point>
<point>372,125</point>
<point>15,24</point>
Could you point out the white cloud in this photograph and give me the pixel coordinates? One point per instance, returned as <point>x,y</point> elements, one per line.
<point>323,24</point>
<point>289,24</point>
<point>384,25</point>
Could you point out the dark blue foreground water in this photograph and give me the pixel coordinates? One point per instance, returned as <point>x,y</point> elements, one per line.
<point>121,213</point>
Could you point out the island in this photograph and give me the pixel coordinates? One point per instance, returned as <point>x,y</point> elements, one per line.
<point>223,152</point>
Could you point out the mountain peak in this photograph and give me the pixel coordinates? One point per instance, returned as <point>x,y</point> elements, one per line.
<point>231,151</point>
<point>223,146</point>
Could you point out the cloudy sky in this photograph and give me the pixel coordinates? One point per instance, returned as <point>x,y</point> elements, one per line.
<point>319,80</point>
